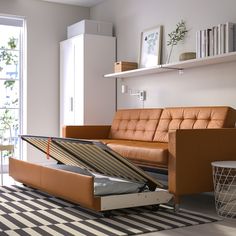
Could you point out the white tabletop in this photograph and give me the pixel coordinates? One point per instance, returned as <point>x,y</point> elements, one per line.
<point>224,164</point>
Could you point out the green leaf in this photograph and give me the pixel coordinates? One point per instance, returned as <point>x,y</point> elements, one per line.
<point>177,34</point>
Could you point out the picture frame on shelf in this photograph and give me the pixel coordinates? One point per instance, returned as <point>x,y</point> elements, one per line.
<point>150,47</point>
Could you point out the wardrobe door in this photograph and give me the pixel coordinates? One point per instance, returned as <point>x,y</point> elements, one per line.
<point>79,80</point>
<point>67,86</point>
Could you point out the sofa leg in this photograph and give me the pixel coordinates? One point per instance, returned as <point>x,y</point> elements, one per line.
<point>176,208</point>
<point>176,203</point>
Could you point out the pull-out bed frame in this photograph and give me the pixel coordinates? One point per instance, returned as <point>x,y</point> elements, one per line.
<point>93,157</point>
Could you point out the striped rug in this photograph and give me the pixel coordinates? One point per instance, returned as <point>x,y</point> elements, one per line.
<point>25,211</point>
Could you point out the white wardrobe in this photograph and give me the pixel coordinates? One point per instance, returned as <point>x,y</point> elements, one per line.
<point>86,97</point>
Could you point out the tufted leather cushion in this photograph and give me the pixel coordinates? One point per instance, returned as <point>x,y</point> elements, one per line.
<point>150,154</point>
<point>193,118</point>
<point>135,124</point>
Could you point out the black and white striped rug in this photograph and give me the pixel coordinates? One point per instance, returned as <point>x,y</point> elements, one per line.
<point>25,211</point>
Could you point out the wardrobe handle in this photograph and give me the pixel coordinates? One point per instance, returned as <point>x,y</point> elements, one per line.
<point>71,104</point>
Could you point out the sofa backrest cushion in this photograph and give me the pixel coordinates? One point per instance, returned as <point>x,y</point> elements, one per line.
<point>193,118</point>
<point>135,124</point>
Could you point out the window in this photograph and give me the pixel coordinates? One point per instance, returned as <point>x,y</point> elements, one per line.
<point>11,83</point>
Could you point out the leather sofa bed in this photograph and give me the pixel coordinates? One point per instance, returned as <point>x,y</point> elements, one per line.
<point>88,173</point>
<point>182,141</point>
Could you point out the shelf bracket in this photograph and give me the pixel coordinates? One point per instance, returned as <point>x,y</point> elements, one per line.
<point>180,70</point>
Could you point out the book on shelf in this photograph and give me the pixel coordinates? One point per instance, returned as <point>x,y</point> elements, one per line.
<point>203,43</point>
<point>211,43</point>
<point>208,42</point>
<point>229,37</point>
<point>216,40</point>
<point>234,38</point>
<point>198,44</point>
<point>221,38</point>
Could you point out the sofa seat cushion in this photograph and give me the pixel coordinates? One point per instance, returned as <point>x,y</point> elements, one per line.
<point>151,154</point>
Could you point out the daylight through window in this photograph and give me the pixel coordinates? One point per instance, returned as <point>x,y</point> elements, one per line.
<point>11,76</point>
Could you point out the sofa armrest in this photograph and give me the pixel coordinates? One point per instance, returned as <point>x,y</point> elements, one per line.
<point>86,131</point>
<point>190,155</point>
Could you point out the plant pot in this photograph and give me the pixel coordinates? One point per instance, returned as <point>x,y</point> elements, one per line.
<point>187,56</point>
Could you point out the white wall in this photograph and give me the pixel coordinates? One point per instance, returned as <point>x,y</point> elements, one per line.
<point>46,27</point>
<point>212,85</point>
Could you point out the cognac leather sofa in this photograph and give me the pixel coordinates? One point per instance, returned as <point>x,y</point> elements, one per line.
<point>182,140</point>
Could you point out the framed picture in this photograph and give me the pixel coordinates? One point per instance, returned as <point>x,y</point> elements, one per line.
<point>150,47</point>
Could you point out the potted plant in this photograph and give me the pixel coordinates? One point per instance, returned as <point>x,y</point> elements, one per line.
<point>176,36</point>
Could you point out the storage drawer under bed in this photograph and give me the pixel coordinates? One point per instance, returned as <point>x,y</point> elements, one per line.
<point>79,188</point>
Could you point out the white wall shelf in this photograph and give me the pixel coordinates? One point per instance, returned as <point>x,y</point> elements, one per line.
<point>194,63</point>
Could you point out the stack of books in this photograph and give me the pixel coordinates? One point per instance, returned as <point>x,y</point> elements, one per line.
<point>217,40</point>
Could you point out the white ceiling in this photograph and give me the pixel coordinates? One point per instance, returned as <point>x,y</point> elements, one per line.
<point>84,3</point>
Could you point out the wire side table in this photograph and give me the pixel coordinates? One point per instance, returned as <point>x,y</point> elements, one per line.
<point>4,148</point>
<point>224,179</point>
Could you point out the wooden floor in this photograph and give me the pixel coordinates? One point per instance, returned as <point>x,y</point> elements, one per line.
<point>203,203</point>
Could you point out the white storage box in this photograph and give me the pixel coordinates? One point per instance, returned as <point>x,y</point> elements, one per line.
<point>89,27</point>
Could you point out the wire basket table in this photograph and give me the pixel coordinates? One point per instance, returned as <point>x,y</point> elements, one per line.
<point>224,179</point>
